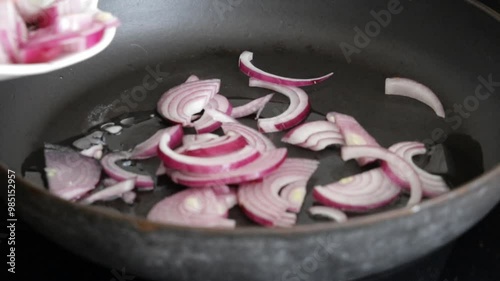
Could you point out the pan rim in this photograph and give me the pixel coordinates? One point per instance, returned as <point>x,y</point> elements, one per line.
<point>143,224</point>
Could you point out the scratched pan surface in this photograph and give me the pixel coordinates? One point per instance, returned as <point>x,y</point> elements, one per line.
<point>165,41</point>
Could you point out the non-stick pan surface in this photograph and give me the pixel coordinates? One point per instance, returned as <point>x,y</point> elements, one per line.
<point>448,46</point>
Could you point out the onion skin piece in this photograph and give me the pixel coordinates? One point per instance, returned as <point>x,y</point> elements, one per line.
<point>297,111</point>
<point>360,193</point>
<point>193,207</point>
<point>110,193</point>
<point>412,89</point>
<point>253,137</point>
<point>354,134</point>
<point>255,106</point>
<point>246,66</point>
<point>351,152</point>
<point>149,148</point>
<point>70,175</point>
<point>224,163</point>
<point>267,163</point>
<point>116,172</point>
<point>328,212</point>
<point>173,105</point>
<point>432,185</point>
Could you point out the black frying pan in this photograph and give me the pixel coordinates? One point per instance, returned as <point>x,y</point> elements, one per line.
<point>446,45</point>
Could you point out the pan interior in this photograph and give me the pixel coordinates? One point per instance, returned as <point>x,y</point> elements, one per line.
<point>355,89</point>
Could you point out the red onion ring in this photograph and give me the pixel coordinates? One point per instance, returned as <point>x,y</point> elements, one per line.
<point>412,89</point>
<point>297,111</point>
<point>246,66</point>
<point>354,134</point>
<point>350,152</point>
<point>262,201</point>
<point>221,146</point>
<point>114,171</point>
<point>192,207</point>
<point>206,123</point>
<point>328,212</point>
<point>70,175</point>
<point>180,103</point>
<point>316,135</point>
<point>256,106</point>
<point>253,137</point>
<point>110,193</point>
<point>432,185</point>
<point>149,148</point>
<point>360,193</point>
<point>267,163</point>
<point>224,163</point>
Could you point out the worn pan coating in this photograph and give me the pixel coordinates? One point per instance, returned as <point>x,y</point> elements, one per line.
<point>447,45</point>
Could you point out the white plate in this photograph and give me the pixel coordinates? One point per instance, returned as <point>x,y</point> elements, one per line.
<point>11,71</point>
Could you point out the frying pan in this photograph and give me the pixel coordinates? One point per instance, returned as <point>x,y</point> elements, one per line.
<point>447,45</point>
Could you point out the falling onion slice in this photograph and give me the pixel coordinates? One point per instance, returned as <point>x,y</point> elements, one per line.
<point>297,111</point>
<point>193,207</point>
<point>412,89</point>
<point>432,185</point>
<point>246,66</point>
<point>403,168</point>
<point>359,193</point>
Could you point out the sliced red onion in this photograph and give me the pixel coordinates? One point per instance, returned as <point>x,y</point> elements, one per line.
<point>109,165</point>
<point>70,175</point>
<point>4,58</point>
<point>191,139</point>
<point>262,202</point>
<point>109,182</point>
<point>224,145</point>
<point>222,189</point>
<point>322,144</point>
<point>246,66</point>
<point>94,151</point>
<point>192,78</point>
<point>29,9</point>
<point>297,111</point>
<point>253,137</point>
<point>110,193</point>
<point>432,185</point>
<point>129,197</point>
<point>412,89</point>
<point>295,193</point>
<point>354,134</point>
<point>224,163</point>
<point>229,198</point>
<point>149,148</point>
<point>192,207</point>
<point>261,167</point>
<point>331,213</point>
<point>180,103</point>
<point>13,30</point>
<point>219,116</point>
<point>206,123</point>
<point>256,106</point>
<point>58,9</point>
<point>316,135</point>
<point>408,173</point>
<point>359,193</point>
